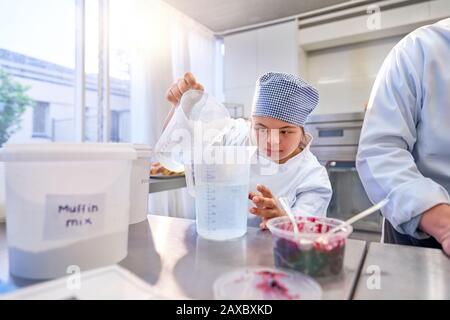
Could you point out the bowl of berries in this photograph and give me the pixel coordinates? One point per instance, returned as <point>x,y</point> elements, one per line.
<point>309,251</point>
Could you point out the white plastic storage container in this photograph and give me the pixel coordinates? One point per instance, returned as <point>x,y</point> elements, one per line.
<point>140,175</point>
<point>67,206</point>
<point>2,193</point>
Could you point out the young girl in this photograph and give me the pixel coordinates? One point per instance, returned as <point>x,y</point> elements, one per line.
<point>285,166</point>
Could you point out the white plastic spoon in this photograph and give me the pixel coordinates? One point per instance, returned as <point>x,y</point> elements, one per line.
<point>353,219</point>
<point>287,208</point>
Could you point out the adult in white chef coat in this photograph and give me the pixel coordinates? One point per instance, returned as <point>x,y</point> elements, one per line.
<point>404,149</point>
<point>284,165</point>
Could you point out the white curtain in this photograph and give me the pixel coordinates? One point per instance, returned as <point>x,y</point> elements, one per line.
<point>166,45</point>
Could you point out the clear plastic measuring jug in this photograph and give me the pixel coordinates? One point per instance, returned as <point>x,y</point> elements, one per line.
<point>219,183</point>
<point>197,121</point>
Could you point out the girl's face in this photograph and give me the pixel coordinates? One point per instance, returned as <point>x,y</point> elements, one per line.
<point>276,139</point>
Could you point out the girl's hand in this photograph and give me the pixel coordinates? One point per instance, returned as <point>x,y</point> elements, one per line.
<point>179,87</point>
<point>265,205</point>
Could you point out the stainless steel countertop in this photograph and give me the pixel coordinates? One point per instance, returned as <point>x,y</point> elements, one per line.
<point>158,185</point>
<point>405,273</point>
<point>167,253</point>
<point>170,255</point>
<point>3,254</point>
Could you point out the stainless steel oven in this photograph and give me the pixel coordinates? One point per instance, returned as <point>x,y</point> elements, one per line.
<point>335,144</point>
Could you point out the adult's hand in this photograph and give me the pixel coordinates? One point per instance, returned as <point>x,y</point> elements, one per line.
<point>436,222</point>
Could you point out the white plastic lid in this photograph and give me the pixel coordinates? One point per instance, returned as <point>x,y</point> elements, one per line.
<point>260,283</point>
<point>67,152</point>
<point>143,150</point>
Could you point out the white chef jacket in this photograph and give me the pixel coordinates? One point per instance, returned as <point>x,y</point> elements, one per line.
<point>302,179</point>
<point>404,149</point>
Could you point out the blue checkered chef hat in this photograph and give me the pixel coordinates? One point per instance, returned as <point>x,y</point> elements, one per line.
<point>285,97</point>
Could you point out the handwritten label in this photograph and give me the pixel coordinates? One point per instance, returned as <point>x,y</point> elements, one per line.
<point>72,216</point>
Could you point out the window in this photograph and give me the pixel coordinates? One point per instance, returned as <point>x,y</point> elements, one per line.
<point>45,54</point>
<point>115,129</point>
<point>37,51</point>
<point>41,120</point>
<point>74,53</point>
<point>107,70</point>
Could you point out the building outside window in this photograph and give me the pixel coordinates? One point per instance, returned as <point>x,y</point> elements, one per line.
<point>41,120</point>
<point>40,54</point>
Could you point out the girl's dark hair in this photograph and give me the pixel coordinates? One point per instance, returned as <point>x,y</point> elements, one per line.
<point>303,141</point>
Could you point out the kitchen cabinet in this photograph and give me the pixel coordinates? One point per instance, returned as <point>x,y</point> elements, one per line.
<point>250,54</point>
